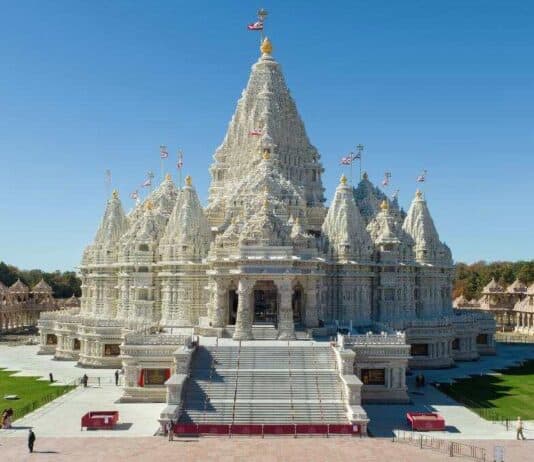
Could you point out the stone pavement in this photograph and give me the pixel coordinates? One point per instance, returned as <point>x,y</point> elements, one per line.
<point>460,422</point>
<point>341,449</point>
<point>61,417</point>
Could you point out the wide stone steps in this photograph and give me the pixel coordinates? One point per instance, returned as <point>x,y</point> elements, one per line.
<point>264,384</point>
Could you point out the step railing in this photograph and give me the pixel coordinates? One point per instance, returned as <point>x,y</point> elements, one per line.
<point>208,388</point>
<point>236,381</point>
<point>317,385</point>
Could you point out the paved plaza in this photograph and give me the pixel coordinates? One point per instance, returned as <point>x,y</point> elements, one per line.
<point>61,418</point>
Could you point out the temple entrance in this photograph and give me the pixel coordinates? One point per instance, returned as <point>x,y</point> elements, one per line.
<point>233,299</point>
<point>265,303</point>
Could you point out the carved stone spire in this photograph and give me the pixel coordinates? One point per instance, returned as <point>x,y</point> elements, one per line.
<point>420,226</point>
<point>187,235</point>
<point>113,225</point>
<point>387,233</point>
<point>265,120</point>
<point>344,228</point>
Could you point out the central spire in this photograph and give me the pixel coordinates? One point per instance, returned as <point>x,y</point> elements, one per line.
<point>266,120</point>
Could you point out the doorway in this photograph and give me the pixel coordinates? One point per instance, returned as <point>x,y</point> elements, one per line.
<point>265,303</point>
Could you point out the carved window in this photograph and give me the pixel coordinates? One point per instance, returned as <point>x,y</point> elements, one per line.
<point>373,376</point>
<point>419,349</point>
<point>143,247</point>
<point>112,349</point>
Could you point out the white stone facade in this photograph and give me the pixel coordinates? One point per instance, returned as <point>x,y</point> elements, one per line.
<point>266,251</point>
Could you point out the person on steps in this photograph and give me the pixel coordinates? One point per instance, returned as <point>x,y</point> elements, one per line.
<point>519,428</point>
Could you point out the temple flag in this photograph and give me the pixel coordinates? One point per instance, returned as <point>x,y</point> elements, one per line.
<point>358,155</point>
<point>258,25</point>
<point>163,153</point>
<point>180,163</point>
<point>146,183</point>
<point>422,177</point>
<point>134,195</point>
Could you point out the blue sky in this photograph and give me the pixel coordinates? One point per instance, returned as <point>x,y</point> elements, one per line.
<point>443,86</point>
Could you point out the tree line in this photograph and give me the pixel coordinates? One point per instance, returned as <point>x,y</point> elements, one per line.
<point>469,280</point>
<point>64,283</point>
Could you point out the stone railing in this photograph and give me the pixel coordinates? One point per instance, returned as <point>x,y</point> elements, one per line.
<point>155,339</point>
<point>374,339</point>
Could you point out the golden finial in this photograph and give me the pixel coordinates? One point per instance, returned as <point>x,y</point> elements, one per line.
<point>188,180</point>
<point>266,154</point>
<point>343,179</point>
<point>418,194</point>
<point>266,46</point>
<point>149,205</point>
<point>168,177</point>
<point>115,194</point>
<point>384,205</point>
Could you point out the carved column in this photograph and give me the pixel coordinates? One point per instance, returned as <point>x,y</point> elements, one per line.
<point>243,325</point>
<point>286,327</point>
<point>217,303</point>
<point>310,308</point>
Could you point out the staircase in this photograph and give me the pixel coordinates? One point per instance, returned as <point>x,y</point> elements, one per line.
<point>264,384</point>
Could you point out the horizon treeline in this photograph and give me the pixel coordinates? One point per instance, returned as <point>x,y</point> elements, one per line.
<point>469,280</point>
<point>63,283</point>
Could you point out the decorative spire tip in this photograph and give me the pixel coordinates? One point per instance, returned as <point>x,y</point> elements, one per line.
<point>343,180</point>
<point>188,180</point>
<point>266,46</point>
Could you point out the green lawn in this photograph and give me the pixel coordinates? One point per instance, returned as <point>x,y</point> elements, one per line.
<point>508,394</point>
<point>31,392</point>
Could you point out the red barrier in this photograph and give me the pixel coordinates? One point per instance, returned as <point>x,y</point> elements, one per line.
<point>425,421</point>
<point>213,429</point>
<point>100,419</point>
<point>273,429</point>
<point>343,429</point>
<point>186,429</point>
<point>247,429</point>
<point>312,429</point>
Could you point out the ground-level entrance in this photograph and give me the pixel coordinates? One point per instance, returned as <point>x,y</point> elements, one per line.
<point>265,303</point>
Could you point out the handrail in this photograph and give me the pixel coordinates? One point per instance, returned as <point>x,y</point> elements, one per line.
<point>317,384</point>
<point>290,381</point>
<point>236,381</point>
<point>208,388</point>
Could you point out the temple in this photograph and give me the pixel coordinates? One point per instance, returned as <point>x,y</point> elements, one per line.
<point>263,277</point>
<point>21,306</point>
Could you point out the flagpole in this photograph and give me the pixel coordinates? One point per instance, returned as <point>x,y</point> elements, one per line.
<point>108,183</point>
<point>360,155</point>
<point>262,14</point>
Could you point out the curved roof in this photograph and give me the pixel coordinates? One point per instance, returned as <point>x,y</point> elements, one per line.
<point>19,287</point>
<point>42,286</point>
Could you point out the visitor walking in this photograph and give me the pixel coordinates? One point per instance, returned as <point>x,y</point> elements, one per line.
<point>85,379</point>
<point>51,377</point>
<point>519,428</point>
<point>31,440</point>
<point>116,378</point>
<point>170,430</point>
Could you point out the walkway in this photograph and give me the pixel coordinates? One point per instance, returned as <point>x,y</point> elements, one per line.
<point>461,422</point>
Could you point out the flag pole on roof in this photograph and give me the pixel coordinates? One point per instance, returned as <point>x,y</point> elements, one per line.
<point>163,154</point>
<point>179,166</point>
<point>108,183</point>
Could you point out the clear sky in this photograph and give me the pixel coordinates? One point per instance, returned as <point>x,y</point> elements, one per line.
<point>86,86</point>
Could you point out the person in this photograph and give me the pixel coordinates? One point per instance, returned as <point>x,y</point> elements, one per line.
<point>116,378</point>
<point>519,428</point>
<point>31,440</point>
<point>51,377</point>
<point>170,429</point>
<point>85,379</point>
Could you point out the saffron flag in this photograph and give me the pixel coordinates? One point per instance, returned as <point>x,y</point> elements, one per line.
<point>422,177</point>
<point>346,160</point>
<point>258,25</point>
